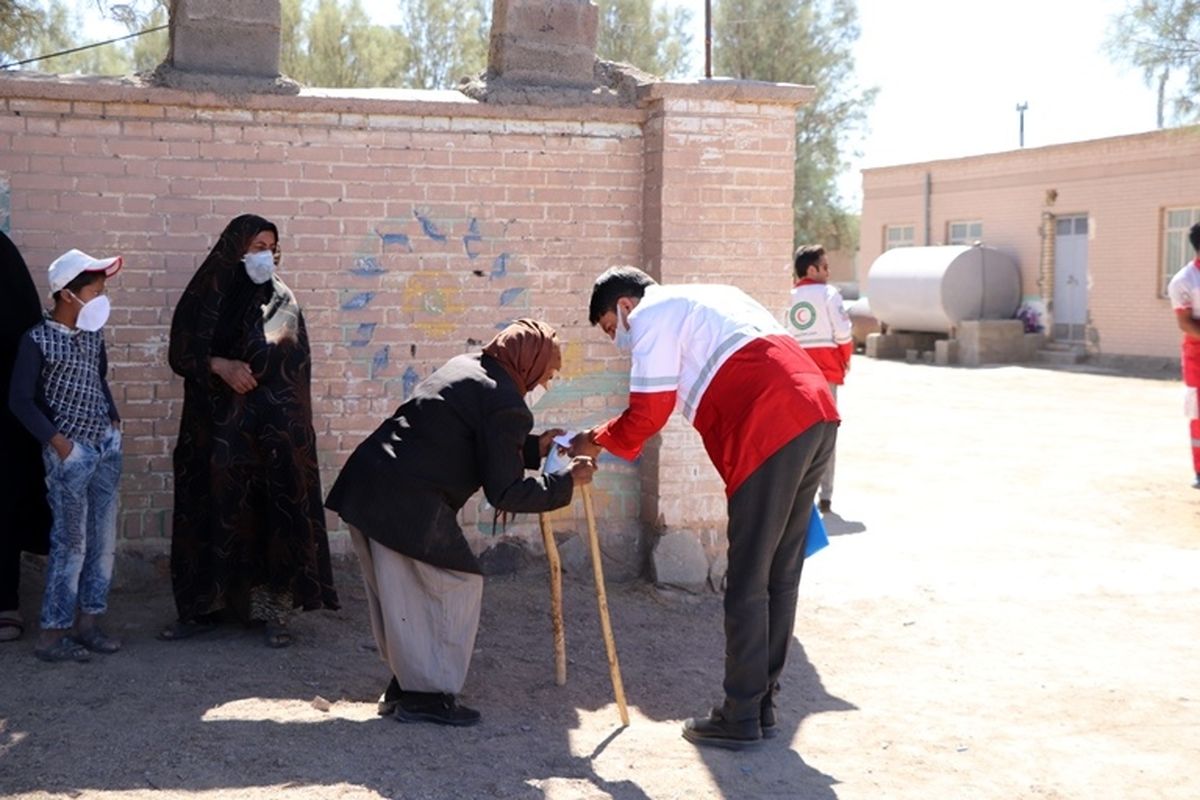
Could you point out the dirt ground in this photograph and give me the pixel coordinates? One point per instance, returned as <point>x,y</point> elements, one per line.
<point>1008,609</point>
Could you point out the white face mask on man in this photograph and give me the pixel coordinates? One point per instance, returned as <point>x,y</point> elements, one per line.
<point>93,314</point>
<point>623,336</point>
<point>260,265</point>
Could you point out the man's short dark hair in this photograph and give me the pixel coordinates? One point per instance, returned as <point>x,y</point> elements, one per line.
<point>85,278</point>
<point>1194,237</point>
<point>808,255</point>
<point>613,284</point>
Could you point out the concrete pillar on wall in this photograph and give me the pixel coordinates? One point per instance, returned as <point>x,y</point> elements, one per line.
<point>225,45</point>
<point>544,42</point>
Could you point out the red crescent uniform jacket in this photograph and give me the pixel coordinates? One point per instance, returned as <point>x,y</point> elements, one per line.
<point>729,367</point>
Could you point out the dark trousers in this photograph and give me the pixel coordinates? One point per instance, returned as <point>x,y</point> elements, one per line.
<point>768,525</point>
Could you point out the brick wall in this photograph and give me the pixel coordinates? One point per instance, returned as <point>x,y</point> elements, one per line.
<point>413,225</point>
<point>1122,184</point>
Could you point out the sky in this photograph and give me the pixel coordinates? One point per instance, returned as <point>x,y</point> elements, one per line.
<point>950,74</point>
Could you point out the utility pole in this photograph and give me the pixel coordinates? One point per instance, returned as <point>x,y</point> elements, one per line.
<point>1021,110</point>
<point>708,39</point>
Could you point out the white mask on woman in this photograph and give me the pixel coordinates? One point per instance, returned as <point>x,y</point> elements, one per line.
<point>534,395</point>
<point>94,313</point>
<point>623,337</point>
<point>259,265</point>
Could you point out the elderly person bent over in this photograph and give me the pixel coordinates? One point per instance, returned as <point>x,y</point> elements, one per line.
<point>466,426</point>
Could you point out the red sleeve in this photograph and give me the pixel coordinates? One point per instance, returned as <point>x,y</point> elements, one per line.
<point>648,412</point>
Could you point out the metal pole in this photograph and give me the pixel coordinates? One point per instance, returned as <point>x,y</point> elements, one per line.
<point>708,38</point>
<point>1021,110</point>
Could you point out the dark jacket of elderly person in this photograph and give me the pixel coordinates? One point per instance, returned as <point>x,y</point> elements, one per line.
<point>466,427</point>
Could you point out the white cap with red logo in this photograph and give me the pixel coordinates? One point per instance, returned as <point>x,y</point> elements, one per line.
<point>73,263</point>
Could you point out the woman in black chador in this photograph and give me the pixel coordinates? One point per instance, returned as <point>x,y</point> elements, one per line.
<point>22,480</point>
<point>249,530</point>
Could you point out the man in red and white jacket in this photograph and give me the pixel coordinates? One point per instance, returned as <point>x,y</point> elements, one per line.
<point>1184,291</point>
<point>769,425</point>
<point>818,321</point>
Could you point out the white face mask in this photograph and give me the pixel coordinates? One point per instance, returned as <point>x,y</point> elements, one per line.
<point>534,395</point>
<point>623,338</point>
<point>94,313</point>
<point>259,266</point>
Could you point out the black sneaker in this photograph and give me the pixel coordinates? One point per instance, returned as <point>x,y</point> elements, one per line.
<point>1196,483</point>
<point>766,718</point>
<point>442,709</point>
<point>390,698</point>
<point>716,731</point>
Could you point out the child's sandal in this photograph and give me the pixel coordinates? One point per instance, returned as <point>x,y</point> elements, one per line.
<point>277,635</point>
<point>65,649</point>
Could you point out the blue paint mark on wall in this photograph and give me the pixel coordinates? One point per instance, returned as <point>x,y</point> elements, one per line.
<point>367,266</point>
<point>429,227</point>
<point>500,266</point>
<point>509,295</point>
<point>395,240</point>
<point>380,361</point>
<point>362,337</point>
<point>358,301</point>
<point>410,379</point>
<point>473,235</point>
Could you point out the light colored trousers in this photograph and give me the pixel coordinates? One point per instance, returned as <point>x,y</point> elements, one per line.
<point>827,476</point>
<point>424,618</point>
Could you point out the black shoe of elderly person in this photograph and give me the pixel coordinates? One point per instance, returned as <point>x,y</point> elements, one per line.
<point>436,707</point>
<point>716,731</point>
<point>390,698</point>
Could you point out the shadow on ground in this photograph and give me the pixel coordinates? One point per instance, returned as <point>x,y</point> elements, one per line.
<point>223,712</point>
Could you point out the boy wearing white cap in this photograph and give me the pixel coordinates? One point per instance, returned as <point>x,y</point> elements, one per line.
<point>60,394</point>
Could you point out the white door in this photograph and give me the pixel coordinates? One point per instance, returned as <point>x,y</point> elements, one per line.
<point>1070,278</point>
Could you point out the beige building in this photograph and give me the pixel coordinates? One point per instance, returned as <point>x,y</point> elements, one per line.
<point>1097,227</point>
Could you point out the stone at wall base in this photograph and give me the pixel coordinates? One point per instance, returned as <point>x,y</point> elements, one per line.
<point>219,83</point>
<point>503,558</point>
<point>679,561</point>
<point>573,553</point>
<point>716,573</point>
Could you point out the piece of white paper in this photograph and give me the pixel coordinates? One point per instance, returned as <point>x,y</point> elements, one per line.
<point>565,439</point>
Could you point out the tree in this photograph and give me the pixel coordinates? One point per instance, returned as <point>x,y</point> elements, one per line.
<point>345,49</point>
<point>808,42</point>
<point>648,35</point>
<point>443,41</point>
<point>28,30</point>
<point>1161,38</point>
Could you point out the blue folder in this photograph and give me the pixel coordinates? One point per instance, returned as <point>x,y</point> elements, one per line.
<point>817,538</point>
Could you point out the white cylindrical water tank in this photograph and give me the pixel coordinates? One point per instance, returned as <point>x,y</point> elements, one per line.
<point>932,289</point>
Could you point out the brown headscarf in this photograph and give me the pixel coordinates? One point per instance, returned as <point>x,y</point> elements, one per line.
<point>527,349</point>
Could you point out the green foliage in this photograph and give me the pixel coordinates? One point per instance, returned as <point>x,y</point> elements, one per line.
<point>1162,39</point>
<point>808,42</point>
<point>28,30</point>
<point>648,35</point>
<point>343,48</point>
<point>446,41</point>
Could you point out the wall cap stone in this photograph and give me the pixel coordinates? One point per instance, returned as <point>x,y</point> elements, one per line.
<point>398,102</point>
<point>731,89</point>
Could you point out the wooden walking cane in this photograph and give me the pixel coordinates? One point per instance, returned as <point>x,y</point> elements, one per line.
<point>556,607</point>
<point>610,644</point>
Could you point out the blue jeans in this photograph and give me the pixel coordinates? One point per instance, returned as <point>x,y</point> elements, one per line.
<point>82,491</point>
